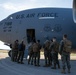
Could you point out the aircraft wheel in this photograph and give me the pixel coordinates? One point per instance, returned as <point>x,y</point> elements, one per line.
<point>10,53</point>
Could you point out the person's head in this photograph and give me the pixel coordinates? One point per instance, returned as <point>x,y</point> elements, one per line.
<point>22,42</point>
<point>51,40</point>
<point>16,41</point>
<point>38,41</point>
<point>34,41</point>
<point>54,39</point>
<point>64,36</point>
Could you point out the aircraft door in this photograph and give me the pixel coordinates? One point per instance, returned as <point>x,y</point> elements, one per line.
<point>30,35</point>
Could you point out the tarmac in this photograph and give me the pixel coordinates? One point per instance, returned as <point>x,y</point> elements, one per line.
<point>7,67</point>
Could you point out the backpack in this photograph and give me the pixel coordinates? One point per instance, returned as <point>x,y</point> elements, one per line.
<point>30,49</point>
<point>47,44</point>
<point>56,47</point>
<point>35,47</point>
<point>67,46</point>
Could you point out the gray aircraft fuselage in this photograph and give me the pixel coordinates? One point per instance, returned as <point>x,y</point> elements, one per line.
<point>40,23</point>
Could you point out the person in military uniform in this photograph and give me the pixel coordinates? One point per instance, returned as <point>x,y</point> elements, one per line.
<point>54,46</point>
<point>35,51</point>
<point>65,56</point>
<point>21,53</point>
<point>38,53</point>
<point>15,50</point>
<point>50,54</point>
<point>30,52</point>
<point>46,53</point>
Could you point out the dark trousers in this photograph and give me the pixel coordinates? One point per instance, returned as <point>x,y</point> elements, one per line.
<point>30,58</point>
<point>47,57</point>
<point>50,58</point>
<point>65,60</point>
<point>20,56</point>
<point>38,58</point>
<point>35,58</point>
<point>55,59</point>
<point>14,55</point>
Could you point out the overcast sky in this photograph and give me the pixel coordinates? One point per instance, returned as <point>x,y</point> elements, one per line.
<point>8,7</point>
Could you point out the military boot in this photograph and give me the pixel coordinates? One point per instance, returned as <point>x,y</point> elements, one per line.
<point>68,70</point>
<point>45,65</point>
<point>58,66</point>
<point>54,67</point>
<point>63,71</point>
<point>28,62</point>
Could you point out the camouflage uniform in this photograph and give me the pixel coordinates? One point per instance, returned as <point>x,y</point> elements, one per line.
<point>35,51</point>
<point>14,51</point>
<point>65,56</point>
<point>30,54</point>
<point>54,53</point>
<point>38,54</point>
<point>21,53</point>
<point>47,53</point>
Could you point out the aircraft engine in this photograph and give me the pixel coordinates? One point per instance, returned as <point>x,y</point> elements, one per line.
<point>74,10</point>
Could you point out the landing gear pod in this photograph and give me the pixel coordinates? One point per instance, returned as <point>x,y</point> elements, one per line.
<point>74,10</point>
<point>10,53</point>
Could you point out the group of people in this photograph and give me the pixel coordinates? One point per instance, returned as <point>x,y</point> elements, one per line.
<point>18,51</point>
<point>51,50</point>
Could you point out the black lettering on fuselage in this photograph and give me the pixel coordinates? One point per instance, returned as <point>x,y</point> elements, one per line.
<point>30,15</point>
<point>47,15</point>
<point>18,17</point>
<point>22,16</point>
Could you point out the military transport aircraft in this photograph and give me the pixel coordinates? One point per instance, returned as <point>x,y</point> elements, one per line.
<point>38,24</point>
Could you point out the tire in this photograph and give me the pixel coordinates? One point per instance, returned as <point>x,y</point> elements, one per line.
<point>10,53</point>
